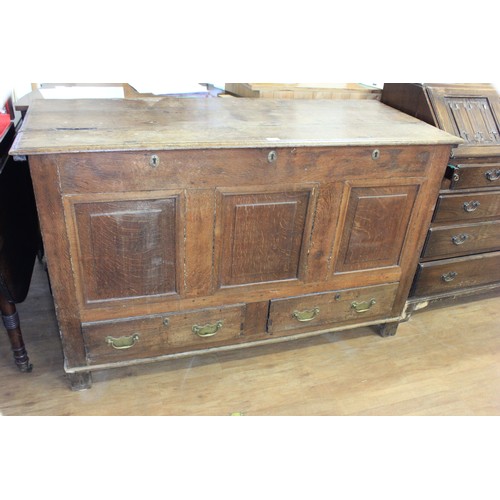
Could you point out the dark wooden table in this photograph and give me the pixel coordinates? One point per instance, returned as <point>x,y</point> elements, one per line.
<point>19,243</point>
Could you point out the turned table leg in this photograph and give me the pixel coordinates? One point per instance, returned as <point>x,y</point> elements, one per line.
<point>11,321</point>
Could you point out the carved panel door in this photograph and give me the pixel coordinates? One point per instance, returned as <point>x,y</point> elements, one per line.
<point>473,120</point>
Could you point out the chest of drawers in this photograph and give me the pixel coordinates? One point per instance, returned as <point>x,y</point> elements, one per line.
<point>174,227</point>
<point>462,249</point>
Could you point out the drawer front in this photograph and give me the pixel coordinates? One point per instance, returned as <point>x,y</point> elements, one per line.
<point>151,170</point>
<point>149,336</point>
<point>449,275</point>
<point>466,207</point>
<point>321,310</point>
<point>464,239</point>
<point>476,176</point>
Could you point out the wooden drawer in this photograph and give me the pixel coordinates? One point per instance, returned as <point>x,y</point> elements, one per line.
<point>150,336</point>
<point>449,275</point>
<point>322,310</point>
<point>466,207</point>
<point>476,176</point>
<point>463,239</point>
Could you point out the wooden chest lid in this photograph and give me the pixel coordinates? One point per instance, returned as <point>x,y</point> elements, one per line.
<point>63,126</point>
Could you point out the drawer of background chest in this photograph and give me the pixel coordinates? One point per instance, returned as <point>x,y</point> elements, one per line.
<point>442,276</point>
<point>150,336</point>
<point>463,239</point>
<point>466,207</point>
<point>322,310</point>
<point>475,176</point>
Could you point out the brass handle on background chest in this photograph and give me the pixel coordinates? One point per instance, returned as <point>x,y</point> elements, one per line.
<point>449,276</point>
<point>361,307</point>
<point>471,206</point>
<point>123,342</point>
<point>492,175</point>
<point>208,330</point>
<point>307,315</point>
<point>460,239</point>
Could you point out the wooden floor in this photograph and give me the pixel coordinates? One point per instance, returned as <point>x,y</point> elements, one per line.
<point>444,361</point>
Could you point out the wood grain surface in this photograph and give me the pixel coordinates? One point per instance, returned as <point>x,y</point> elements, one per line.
<point>145,124</point>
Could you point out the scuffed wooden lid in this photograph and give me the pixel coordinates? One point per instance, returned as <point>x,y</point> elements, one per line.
<point>63,126</point>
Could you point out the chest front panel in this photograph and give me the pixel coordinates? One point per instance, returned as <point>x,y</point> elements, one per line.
<point>146,249</point>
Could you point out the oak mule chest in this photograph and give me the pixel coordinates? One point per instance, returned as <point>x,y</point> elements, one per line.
<point>180,226</point>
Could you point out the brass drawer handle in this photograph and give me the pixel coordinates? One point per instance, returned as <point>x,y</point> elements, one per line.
<point>208,330</point>
<point>307,315</point>
<point>470,206</point>
<point>460,239</point>
<point>361,307</point>
<point>123,342</point>
<point>449,276</point>
<point>493,175</point>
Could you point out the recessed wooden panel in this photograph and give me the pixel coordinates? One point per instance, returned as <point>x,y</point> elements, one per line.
<point>127,248</point>
<point>262,236</point>
<point>375,227</point>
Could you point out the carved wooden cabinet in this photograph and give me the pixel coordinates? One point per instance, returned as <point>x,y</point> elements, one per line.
<point>461,255</point>
<point>174,227</point>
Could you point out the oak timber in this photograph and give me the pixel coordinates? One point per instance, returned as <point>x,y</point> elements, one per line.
<point>59,126</point>
<point>337,201</point>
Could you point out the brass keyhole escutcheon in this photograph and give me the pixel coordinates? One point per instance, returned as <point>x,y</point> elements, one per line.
<point>272,156</point>
<point>375,154</point>
<point>154,161</point>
